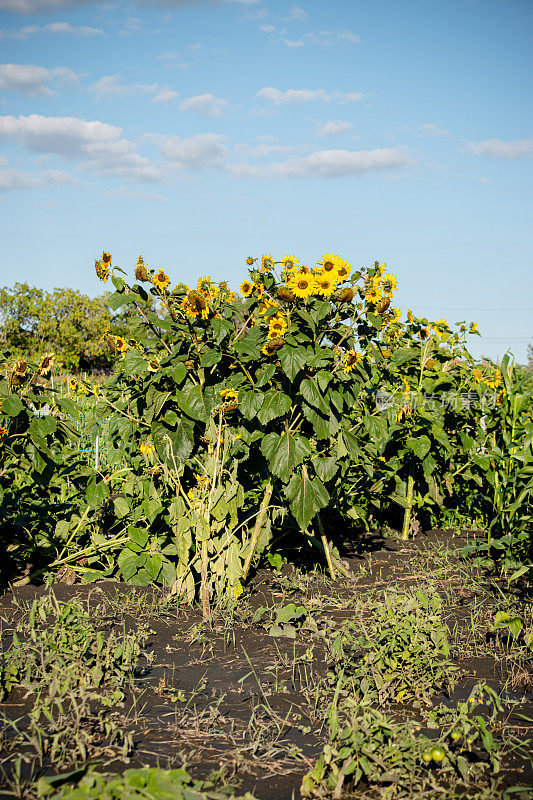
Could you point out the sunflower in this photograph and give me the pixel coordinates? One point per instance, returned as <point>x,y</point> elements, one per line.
<point>228,394</point>
<point>3,430</point>
<point>147,448</point>
<point>410,316</point>
<point>121,344</point>
<point>396,314</point>
<point>250,261</point>
<point>102,271</point>
<point>473,328</point>
<point>46,364</point>
<point>285,294</point>
<point>259,289</point>
<point>195,305</point>
<point>301,284</point>
<point>329,263</point>
<point>383,305</point>
<point>390,284</point>
<point>441,328</point>
<point>351,359</point>
<point>141,273</point>
<point>495,381</point>
<point>106,258</point>
<point>277,327</point>
<point>204,285</point>
<point>373,292</point>
<point>267,263</point>
<point>161,280</point>
<point>289,262</point>
<point>324,285</point>
<point>346,296</point>
<point>272,346</point>
<point>342,269</point>
<point>246,288</point>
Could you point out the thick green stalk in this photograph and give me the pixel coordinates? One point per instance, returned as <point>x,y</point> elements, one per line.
<point>257,528</point>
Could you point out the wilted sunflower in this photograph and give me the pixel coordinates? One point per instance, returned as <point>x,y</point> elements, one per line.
<point>20,369</point>
<point>383,305</point>
<point>272,346</point>
<point>246,288</point>
<point>161,279</point>
<point>345,296</point>
<point>324,285</point>
<point>478,375</point>
<point>285,294</point>
<point>141,273</point>
<point>101,271</point>
<point>46,364</point>
<point>351,359</point>
<point>301,284</point>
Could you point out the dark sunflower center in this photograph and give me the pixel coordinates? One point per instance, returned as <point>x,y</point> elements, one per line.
<point>303,284</point>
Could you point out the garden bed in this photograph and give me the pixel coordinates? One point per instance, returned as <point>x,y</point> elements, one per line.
<point>246,696</point>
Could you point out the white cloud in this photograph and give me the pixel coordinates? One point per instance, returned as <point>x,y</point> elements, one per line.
<point>334,127</point>
<point>329,38</point>
<point>261,150</point>
<point>432,131</point>
<point>519,148</point>
<point>110,86</point>
<point>53,27</point>
<point>206,104</point>
<point>267,28</point>
<point>328,164</point>
<point>31,79</point>
<point>197,152</point>
<point>11,179</point>
<point>296,13</point>
<point>300,96</point>
<point>293,43</point>
<point>131,195</point>
<point>99,147</point>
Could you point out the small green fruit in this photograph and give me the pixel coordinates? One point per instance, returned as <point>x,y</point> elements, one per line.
<point>437,754</point>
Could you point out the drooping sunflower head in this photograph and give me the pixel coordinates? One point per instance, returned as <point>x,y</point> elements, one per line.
<point>101,270</point>
<point>351,359</point>
<point>141,273</point>
<point>121,344</point>
<point>147,448</point>
<point>246,288</point>
<point>346,295</point>
<point>204,285</point>
<point>46,363</point>
<point>161,279</point>
<point>410,316</point>
<point>473,328</point>
<point>272,346</point>
<point>383,305</point>
<point>195,305</point>
<point>324,285</point>
<point>20,372</point>
<point>285,294</point>
<point>302,284</point>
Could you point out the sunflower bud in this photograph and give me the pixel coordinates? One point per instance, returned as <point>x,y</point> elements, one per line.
<point>286,294</point>
<point>383,305</point>
<point>346,296</point>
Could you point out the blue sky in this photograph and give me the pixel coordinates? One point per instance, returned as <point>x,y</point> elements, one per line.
<point>199,133</point>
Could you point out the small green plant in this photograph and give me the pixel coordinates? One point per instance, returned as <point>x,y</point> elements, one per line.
<point>395,651</point>
<point>285,621</point>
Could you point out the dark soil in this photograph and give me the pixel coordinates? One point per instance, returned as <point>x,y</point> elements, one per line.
<point>231,696</point>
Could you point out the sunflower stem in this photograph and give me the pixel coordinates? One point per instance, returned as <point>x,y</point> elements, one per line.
<point>325,545</point>
<point>407,512</point>
<point>257,528</point>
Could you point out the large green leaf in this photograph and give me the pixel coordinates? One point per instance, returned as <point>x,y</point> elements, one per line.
<point>181,440</point>
<point>284,453</point>
<point>311,392</point>
<point>419,446</point>
<point>191,402</point>
<point>320,425</point>
<point>134,363</point>
<point>307,498</point>
<point>292,359</point>
<point>12,405</point>
<point>250,403</point>
<point>276,404</point>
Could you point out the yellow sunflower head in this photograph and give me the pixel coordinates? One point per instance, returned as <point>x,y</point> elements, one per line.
<point>228,394</point>
<point>250,261</point>
<point>106,259</point>
<point>265,304</point>
<point>161,279</point>
<point>259,290</point>
<point>121,344</point>
<point>324,285</point>
<point>342,269</point>
<point>390,284</point>
<point>102,270</point>
<point>410,316</point>
<point>302,284</point>
<point>373,292</point>
<point>277,327</point>
<point>196,305</point>
<point>204,285</point>
<point>329,263</point>
<point>267,263</point>
<point>289,262</point>
<point>351,359</point>
<point>246,288</point>
<point>441,328</point>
